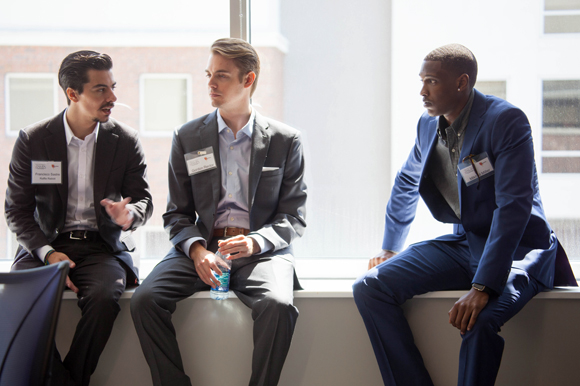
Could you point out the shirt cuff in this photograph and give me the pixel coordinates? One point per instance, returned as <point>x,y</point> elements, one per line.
<point>41,252</point>
<point>186,244</point>
<point>264,244</point>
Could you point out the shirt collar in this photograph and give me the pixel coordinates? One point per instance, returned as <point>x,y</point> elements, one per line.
<point>248,128</point>
<point>68,131</point>
<point>460,123</point>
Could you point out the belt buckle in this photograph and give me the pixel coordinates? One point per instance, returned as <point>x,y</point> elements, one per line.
<point>225,232</point>
<point>78,238</point>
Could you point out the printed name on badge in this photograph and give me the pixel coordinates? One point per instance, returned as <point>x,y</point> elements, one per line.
<point>200,161</point>
<point>475,168</point>
<point>46,172</point>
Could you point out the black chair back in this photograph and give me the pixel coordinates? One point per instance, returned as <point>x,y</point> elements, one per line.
<point>29,307</point>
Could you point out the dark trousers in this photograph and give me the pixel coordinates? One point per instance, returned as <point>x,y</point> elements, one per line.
<point>433,266</point>
<point>100,278</point>
<point>264,283</point>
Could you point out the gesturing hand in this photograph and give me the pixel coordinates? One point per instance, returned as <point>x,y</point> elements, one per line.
<point>119,212</point>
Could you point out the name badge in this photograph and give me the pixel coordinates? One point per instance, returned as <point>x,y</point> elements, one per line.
<point>475,168</point>
<point>200,161</point>
<point>46,172</point>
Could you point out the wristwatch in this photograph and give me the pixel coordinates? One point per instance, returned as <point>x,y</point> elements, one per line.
<point>482,288</point>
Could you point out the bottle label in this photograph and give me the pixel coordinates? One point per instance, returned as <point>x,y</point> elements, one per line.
<point>224,279</point>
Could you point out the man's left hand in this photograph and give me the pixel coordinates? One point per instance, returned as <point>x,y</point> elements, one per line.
<point>119,212</point>
<point>238,246</point>
<point>465,311</point>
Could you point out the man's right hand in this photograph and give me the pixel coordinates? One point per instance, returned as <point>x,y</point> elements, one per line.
<point>381,257</point>
<point>204,262</point>
<point>57,257</point>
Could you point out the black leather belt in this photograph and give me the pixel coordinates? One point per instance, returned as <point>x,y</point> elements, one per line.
<point>81,235</point>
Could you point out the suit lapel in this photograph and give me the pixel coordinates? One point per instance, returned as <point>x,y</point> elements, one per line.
<point>209,137</point>
<point>473,126</point>
<point>104,155</point>
<point>260,145</point>
<point>55,144</point>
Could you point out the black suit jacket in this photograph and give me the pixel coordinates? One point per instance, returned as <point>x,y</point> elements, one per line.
<point>36,213</point>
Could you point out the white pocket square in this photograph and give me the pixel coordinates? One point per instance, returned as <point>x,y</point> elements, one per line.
<point>269,168</point>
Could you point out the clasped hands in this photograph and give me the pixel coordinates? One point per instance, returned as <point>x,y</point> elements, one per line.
<point>205,261</point>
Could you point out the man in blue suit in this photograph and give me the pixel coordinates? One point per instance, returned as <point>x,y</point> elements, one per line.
<point>473,165</point>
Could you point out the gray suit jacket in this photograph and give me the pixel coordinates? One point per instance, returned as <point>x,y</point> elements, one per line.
<point>36,213</point>
<point>277,197</point>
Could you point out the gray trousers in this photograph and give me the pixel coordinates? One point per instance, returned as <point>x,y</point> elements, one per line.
<point>265,283</point>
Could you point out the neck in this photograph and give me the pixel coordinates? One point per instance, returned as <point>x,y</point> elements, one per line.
<point>452,116</point>
<point>236,119</point>
<point>79,126</point>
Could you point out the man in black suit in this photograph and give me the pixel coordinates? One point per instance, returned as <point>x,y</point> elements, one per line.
<point>77,188</point>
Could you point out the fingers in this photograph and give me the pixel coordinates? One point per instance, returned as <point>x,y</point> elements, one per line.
<point>376,261</point>
<point>57,257</point>
<point>70,285</point>
<point>236,247</point>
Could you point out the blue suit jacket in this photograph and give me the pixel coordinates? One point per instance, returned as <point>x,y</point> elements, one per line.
<point>502,218</point>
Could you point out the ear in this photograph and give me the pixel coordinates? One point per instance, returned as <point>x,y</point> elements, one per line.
<point>249,79</point>
<point>463,82</point>
<point>72,95</point>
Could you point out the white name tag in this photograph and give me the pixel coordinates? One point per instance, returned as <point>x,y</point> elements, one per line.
<point>46,172</point>
<point>475,169</point>
<point>200,161</point>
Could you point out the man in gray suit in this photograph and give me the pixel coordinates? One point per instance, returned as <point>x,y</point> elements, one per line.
<point>231,173</point>
<point>77,182</point>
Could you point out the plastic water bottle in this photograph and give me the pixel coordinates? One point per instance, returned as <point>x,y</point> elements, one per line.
<point>221,292</point>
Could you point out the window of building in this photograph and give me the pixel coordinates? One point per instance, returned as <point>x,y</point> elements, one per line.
<point>561,16</point>
<point>165,102</point>
<point>561,126</point>
<point>29,99</point>
<point>489,87</point>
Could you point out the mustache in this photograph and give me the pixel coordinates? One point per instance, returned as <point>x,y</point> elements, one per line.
<point>108,105</point>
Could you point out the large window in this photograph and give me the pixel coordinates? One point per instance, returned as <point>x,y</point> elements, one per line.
<point>344,73</point>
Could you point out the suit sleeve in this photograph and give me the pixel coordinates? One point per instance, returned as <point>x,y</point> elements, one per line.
<point>289,221</point>
<point>514,191</point>
<point>402,204</point>
<point>20,204</point>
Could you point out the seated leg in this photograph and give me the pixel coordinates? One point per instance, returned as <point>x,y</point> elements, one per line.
<point>379,293</point>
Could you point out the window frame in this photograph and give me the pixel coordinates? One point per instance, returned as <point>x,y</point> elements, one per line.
<point>26,75</point>
<point>188,103</point>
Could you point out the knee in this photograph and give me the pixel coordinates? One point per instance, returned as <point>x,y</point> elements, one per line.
<point>142,300</point>
<point>102,300</point>
<point>276,307</point>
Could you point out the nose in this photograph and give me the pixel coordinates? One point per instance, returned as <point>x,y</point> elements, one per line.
<point>112,97</point>
<point>211,82</point>
<point>423,91</point>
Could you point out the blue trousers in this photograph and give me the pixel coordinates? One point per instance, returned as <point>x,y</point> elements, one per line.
<point>435,265</point>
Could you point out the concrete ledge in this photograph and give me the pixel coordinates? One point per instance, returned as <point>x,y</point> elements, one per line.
<point>331,346</point>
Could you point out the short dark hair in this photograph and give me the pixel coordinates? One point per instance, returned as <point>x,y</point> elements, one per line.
<point>73,72</point>
<point>457,59</point>
<point>242,53</point>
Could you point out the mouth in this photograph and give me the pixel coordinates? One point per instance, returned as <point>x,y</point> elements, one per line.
<point>107,108</point>
<point>427,104</point>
